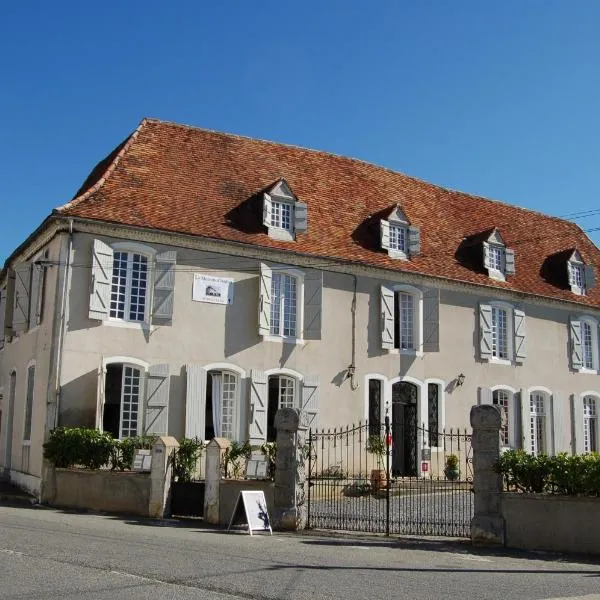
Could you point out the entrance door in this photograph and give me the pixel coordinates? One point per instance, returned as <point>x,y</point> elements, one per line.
<point>404,429</point>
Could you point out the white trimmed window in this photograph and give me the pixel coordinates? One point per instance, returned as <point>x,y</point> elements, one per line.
<point>503,399</point>
<point>402,318</point>
<point>284,305</point>
<point>129,289</point>
<point>398,235</point>
<point>221,405</point>
<point>400,238</point>
<point>500,326</point>
<point>585,345</point>
<point>590,424</point>
<point>283,214</point>
<point>538,411</point>
<point>29,403</point>
<point>497,258</point>
<point>502,333</point>
<point>581,276</point>
<point>282,393</point>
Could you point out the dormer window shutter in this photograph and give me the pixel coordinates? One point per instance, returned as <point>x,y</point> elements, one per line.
<point>384,227</point>
<point>414,241</point>
<point>590,276</point>
<point>486,255</point>
<point>300,217</point>
<point>509,261</point>
<point>576,347</point>
<point>267,210</point>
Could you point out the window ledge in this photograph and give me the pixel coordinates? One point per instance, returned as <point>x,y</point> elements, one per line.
<point>500,361</point>
<point>26,443</point>
<point>283,235</point>
<point>127,324</point>
<point>397,254</point>
<point>497,275</point>
<point>283,340</point>
<point>587,371</point>
<point>405,352</point>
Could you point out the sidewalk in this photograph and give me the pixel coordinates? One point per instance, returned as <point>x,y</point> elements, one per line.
<point>11,494</point>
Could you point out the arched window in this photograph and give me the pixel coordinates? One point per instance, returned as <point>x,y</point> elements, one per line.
<point>539,415</point>
<point>123,405</point>
<point>283,393</point>
<point>590,423</point>
<point>503,399</point>
<point>221,405</point>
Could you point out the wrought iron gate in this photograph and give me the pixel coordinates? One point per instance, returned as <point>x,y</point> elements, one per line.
<point>356,482</point>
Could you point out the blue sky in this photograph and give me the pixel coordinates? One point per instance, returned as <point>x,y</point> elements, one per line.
<point>499,99</point>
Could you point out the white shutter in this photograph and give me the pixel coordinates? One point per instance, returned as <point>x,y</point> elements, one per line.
<point>485,331</point>
<point>577,404</point>
<point>22,297</point>
<point>387,317</point>
<point>164,287</point>
<point>575,342</point>
<point>561,419</point>
<point>258,407</point>
<point>102,267</point>
<point>414,241</point>
<point>590,276</point>
<point>2,311</point>
<point>485,395</point>
<point>486,255</point>
<point>384,227</point>
<point>156,418</point>
<point>310,400</point>
<point>313,299</point>
<point>37,285</point>
<point>526,421</point>
<point>509,261</point>
<point>267,210</point>
<point>520,342</point>
<point>195,402</point>
<point>264,300</point>
<point>300,217</point>
<point>431,320</point>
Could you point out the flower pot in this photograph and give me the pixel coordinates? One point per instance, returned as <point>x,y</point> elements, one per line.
<point>452,474</point>
<point>378,479</point>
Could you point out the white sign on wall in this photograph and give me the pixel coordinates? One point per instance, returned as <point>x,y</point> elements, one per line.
<point>216,290</point>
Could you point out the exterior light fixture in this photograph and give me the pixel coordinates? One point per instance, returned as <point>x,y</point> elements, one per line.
<point>460,380</point>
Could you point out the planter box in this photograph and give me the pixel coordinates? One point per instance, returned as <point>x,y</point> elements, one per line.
<point>557,523</point>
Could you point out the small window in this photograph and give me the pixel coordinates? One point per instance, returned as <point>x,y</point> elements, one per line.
<point>497,258</point>
<point>538,404</point>
<point>281,215</point>
<point>581,276</point>
<point>282,394</point>
<point>590,424</point>
<point>398,236</point>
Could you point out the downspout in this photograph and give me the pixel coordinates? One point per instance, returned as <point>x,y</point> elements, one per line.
<point>351,373</point>
<point>63,322</point>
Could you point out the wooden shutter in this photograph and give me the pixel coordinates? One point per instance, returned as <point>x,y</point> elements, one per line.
<point>431,320</point>
<point>384,227</point>
<point>486,255</point>
<point>590,276</point>
<point>258,407</point>
<point>509,261</point>
<point>310,400</point>
<point>264,300</point>
<point>156,418</point>
<point>22,297</point>
<point>561,419</point>
<point>267,210</point>
<point>485,331</point>
<point>575,342</point>
<point>387,317</point>
<point>102,267</point>
<point>414,241</point>
<point>485,395</point>
<point>164,287</point>
<point>2,312</point>
<point>578,429</point>
<point>195,402</point>
<point>300,217</point>
<point>520,341</point>
<point>37,290</point>
<point>526,421</point>
<point>313,299</point>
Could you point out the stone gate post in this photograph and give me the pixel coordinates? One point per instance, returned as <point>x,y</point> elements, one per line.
<point>161,476</point>
<point>487,525</point>
<point>215,451</point>
<point>289,504</point>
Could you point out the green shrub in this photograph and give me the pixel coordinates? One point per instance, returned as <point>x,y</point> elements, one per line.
<point>186,458</point>
<point>70,446</point>
<point>124,450</point>
<point>235,458</point>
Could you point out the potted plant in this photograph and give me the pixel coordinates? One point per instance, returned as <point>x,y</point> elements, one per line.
<point>376,446</point>
<point>451,470</point>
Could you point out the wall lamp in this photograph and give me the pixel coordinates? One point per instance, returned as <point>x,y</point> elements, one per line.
<point>460,380</point>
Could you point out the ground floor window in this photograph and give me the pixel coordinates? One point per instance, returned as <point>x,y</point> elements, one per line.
<point>374,410</point>
<point>122,401</point>
<point>221,395</point>
<point>590,424</point>
<point>282,394</point>
<point>501,399</point>
<point>538,407</point>
<point>433,413</point>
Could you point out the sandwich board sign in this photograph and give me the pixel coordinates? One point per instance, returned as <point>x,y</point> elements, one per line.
<point>251,510</point>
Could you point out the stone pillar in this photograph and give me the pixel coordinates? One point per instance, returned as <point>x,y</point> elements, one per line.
<point>487,525</point>
<point>161,475</point>
<point>289,504</point>
<point>212,478</point>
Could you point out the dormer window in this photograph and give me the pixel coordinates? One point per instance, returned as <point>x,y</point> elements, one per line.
<point>497,258</point>
<point>581,276</point>
<point>283,214</point>
<point>398,237</point>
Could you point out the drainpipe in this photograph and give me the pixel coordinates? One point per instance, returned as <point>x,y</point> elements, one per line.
<point>352,367</point>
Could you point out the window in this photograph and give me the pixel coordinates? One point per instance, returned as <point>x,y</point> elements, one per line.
<point>402,318</point>
<point>576,277</point>
<point>27,289</point>
<point>581,276</point>
<point>221,402</point>
<point>29,403</point>
<point>400,238</point>
<point>129,286</point>
<point>538,406</point>
<point>375,406</point>
<point>497,258</point>
<point>590,424</point>
<point>122,416</point>
<point>404,326</point>
<point>584,342</point>
<point>283,214</point>
<point>502,399</point>
<point>283,305</point>
<point>587,345</point>
<point>499,332</point>
<point>282,394</point>
<point>502,333</point>
<point>433,413</point>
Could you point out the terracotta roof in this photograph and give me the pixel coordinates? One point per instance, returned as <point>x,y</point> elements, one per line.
<point>183,179</point>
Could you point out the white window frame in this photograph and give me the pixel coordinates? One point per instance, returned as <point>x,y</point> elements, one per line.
<point>441,405</point>
<point>400,230</point>
<point>297,377</point>
<point>417,297</point>
<point>290,339</point>
<point>385,399</point>
<point>547,423</point>
<point>235,427</point>
<point>510,332</point>
<point>511,413</point>
<point>586,421</point>
<point>576,266</point>
<point>592,323</point>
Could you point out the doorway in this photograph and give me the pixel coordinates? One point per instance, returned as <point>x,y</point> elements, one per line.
<point>404,429</point>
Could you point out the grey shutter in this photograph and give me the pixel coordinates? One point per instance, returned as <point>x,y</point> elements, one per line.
<point>526,421</point>
<point>22,297</point>
<point>486,255</point>
<point>9,307</point>
<point>575,342</point>
<point>485,331</point>
<point>561,419</point>
<point>156,416</point>
<point>590,276</point>
<point>310,400</point>
<point>387,317</point>
<point>267,210</point>
<point>300,217</point>
<point>164,287</point>
<point>431,320</point>
<point>384,228</point>
<point>258,407</point>
<point>509,261</point>
<point>485,395</point>
<point>195,402</point>
<point>264,300</point>
<point>414,241</point>
<point>520,341</point>
<point>2,311</point>
<point>313,299</point>
<point>102,267</point>
<point>577,404</point>
<point>37,285</point>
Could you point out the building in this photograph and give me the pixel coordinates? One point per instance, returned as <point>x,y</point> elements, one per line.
<point>198,281</point>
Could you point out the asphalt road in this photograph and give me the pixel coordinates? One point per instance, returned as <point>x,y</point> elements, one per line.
<point>49,554</point>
